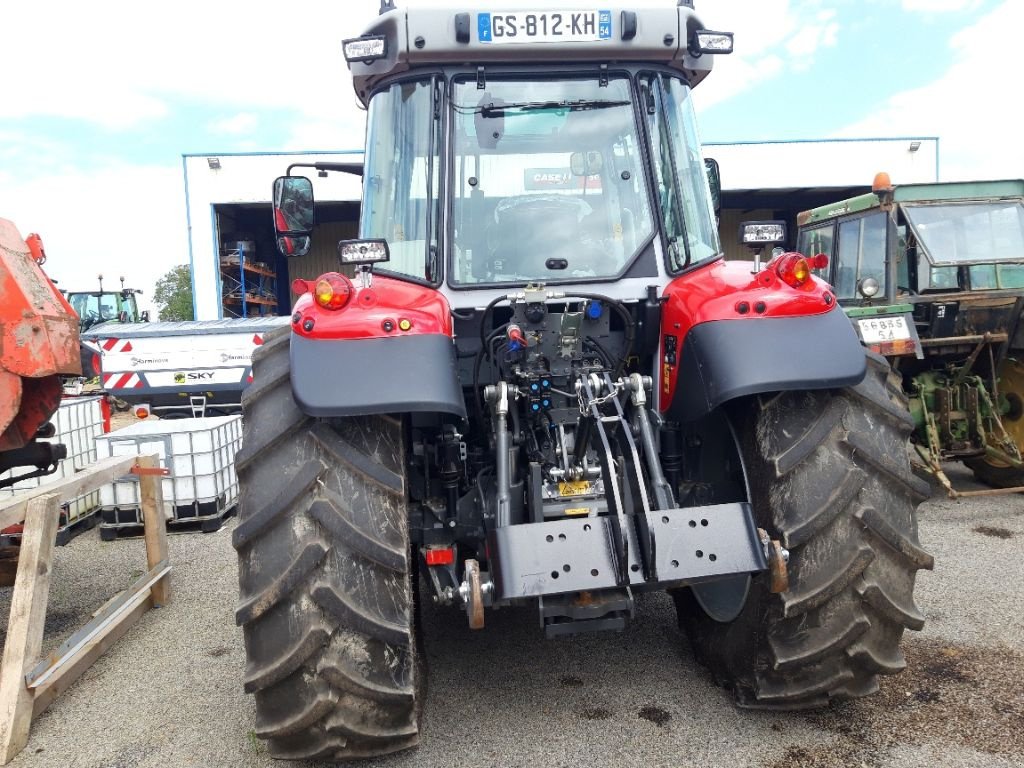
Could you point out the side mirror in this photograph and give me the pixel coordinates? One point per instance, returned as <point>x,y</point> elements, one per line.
<point>294,246</point>
<point>714,183</point>
<point>293,209</point>
<point>144,317</point>
<point>122,316</point>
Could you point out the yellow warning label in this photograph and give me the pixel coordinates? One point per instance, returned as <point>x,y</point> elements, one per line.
<point>578,511</point>
<point>574,488</point>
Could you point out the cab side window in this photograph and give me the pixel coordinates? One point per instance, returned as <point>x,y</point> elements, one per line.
<point>861,254</point>
<point>818,240</point>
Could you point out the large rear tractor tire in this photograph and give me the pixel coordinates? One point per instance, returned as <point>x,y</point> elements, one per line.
<point>829,475</point>
<point>327,601</point>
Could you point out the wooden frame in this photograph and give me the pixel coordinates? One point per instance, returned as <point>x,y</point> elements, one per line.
<point>28,686</point>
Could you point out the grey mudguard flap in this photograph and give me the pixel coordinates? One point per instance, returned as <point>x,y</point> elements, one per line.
<point>350,377</point>
<point>725,359</point>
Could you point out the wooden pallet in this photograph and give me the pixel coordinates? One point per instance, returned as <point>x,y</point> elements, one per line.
<point>27,685</point>
<point>183,525</point>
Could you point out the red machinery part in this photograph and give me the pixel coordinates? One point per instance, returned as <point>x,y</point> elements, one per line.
<point>374,312</point>
<point>38,340</point>
<point>729,290</point>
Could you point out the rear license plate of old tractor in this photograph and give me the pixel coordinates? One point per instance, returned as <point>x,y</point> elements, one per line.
<point>875,330</point>
<point>544,26</point>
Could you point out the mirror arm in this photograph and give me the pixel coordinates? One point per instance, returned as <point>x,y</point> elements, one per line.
<point>356,169</point>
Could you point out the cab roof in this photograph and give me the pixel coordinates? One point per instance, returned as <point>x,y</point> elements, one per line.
<point>918,193</point>
<point>426,37</point>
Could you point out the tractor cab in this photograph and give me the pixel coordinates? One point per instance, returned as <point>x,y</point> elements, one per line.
<point>99,306</point>
<point>567,153</point>
<point>903,244</point>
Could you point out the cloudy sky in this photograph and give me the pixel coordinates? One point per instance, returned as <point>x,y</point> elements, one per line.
<point>101,99</point>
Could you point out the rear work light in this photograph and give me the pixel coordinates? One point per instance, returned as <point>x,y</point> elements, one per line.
<point>362,252</point>
<point>706,41</point>
<point>794,269</point>
<point>365,48</point>
<point>333,291</point>
<point>761,233</point>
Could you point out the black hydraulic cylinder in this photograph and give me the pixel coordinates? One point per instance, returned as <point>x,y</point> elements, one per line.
<point>35,454</point>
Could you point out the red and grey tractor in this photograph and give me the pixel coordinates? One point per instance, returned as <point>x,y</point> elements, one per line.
<point>534,380</point>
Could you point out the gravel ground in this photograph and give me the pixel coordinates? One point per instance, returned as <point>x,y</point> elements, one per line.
<point>169,693</point>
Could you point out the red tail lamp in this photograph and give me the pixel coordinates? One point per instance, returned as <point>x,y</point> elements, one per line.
<point>818,261</point>
<point>439,555</point>
<point>300,286</point>
<point>794,269</point>
<point>333,290</point>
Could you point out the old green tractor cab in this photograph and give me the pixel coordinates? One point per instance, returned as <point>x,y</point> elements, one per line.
<point>932,276</point>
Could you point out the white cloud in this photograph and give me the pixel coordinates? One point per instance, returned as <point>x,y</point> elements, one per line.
<point>770,36</point>
<point>821,33</point>
<point>120,220</point>
<point>973,108</point>
<point>236,125</point>
<point>124,66</point>
<point>939,6</point>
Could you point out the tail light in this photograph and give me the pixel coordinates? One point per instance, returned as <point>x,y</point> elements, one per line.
<point>819,261</point>
<point>439,555</point>
<point>333,291</point>
<point>794,269</point>
<point>105,412</point>
<point>141,411</point>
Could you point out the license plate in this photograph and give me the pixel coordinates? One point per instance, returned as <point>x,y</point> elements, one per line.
<point>574,488</point>
<point>577,511</point>
<point>544,26</point>
<point>875,330</point>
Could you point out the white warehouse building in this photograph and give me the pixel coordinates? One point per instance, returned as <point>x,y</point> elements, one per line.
<point>237,272</point>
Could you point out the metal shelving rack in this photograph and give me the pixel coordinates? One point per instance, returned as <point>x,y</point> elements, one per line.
<point>248,287</point>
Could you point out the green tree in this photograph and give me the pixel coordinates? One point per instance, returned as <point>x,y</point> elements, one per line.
<point>173,294</point>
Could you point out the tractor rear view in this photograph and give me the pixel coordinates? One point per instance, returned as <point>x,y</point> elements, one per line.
<point>933,277</point>
<point>535,381</point>
<point>38,345</point>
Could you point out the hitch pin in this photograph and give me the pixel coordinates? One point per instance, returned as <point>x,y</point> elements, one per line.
<point>778,559</point>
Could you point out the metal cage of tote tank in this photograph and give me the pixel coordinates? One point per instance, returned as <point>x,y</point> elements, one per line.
<point>78,423</point>
<point>198,453</point>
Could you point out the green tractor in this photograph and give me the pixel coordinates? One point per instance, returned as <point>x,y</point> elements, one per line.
<point>99,306</point>
<point>95,307</point>
<point>932,276</point>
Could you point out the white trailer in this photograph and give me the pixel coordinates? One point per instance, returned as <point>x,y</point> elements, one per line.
<point>193,368</point>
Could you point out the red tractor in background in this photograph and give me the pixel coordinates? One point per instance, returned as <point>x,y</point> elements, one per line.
<point>534,380</point>
<point>38,346</point>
